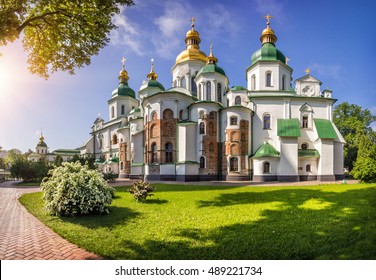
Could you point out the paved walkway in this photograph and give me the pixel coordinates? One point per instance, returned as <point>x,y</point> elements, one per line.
<point>24,237</point>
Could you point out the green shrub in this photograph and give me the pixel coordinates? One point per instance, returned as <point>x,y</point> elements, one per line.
<point>141,190</point>
<point>109,176</point>
<point>73,189</point>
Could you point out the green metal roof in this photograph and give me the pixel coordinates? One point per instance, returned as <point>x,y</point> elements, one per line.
<point>42,144</point>
<point>288,128</point>
<point>268,52</point>
<point>238,88</point>
<point>308,153</point>
<point>266,150</point>
<point>66,152</point>
<point>155,83</point>
<point>325,129</point>
<point>211,68</point>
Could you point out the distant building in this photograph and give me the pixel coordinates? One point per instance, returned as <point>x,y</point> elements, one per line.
<point>42,154</point>
<point>201,129</point>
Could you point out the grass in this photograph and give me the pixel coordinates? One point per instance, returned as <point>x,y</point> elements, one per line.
<point>214,222</point>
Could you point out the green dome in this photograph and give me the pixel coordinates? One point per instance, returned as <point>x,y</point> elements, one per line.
<point>211,68</point>
<point>124,90</point>
<point>42,144</point>
<point>155,83</point>
<point>268,52</point>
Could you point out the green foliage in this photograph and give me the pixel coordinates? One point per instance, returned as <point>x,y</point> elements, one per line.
<point>29,171</point>
<point>58,160</point>
<point>353,122</point>
<point>88,160</point>
<point>109,176</point>
<point>74,189</point>
<point>365,165</point>
<point>141,190</point>
<point>59,35</point>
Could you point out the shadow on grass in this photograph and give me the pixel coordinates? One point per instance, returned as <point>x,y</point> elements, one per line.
<point>309,224</point>
<point>117,216</point>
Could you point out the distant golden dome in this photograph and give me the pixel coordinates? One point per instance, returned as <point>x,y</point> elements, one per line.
<point>192,51</point>
<point>123,74</point>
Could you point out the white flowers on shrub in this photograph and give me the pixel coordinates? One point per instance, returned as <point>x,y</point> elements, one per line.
<point>73,189</point>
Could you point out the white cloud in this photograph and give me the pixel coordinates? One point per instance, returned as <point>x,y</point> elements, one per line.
<point>127,34</point>
<point>272,7</point>
<point>333,71</point>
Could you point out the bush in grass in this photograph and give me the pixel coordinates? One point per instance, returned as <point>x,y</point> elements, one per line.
<point>141,190</point>
<point>73,189</point>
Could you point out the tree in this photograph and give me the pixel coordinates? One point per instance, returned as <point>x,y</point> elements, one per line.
<point>58,160</point>
<point>353,122</point>
<point>58,34</point>
<point>364,167</point>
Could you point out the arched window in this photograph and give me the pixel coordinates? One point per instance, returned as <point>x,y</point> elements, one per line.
<point>308,168</point>
<point>112,112</point>
<point>305,122</point>
<point>202,128</point>
<point>154,116</point>
<point>238,100</point>
<point>234,164</point>
<point>202,162</point>
<point>194,86</point>
<point>253,82</point>
<point>266,167</point>
<point>114,139</point>
<point>154,153</point>
<point>268,79</point>
<point>208,90</point>
<point>266,121</point>
<point>284,82</point>
<point>183,82</point>
<point>122,110</point>
<point>168,114</point>
<point>219,92</point>
<point>169,153</point>
<point>122,165</point>
<point>181,114</point>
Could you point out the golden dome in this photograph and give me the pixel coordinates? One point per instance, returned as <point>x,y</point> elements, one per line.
<point>211,59</point>
<point>152,75</point>
<point>268,35</point>
<point>192,51</point>
<point>123,74</point>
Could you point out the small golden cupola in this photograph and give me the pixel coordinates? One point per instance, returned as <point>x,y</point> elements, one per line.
<point>152,75</point>
<point>268,35</point>
<point>211,59</point>
<point>192,51</point>
<point>123,74</point>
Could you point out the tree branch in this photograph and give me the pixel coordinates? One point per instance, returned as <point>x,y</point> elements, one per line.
<point>29,20</point>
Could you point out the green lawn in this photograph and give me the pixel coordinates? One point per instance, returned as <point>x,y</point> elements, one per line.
<point>212,222</point>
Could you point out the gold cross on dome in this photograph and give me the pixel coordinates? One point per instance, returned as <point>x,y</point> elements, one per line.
<point>308,71</point>
<point>193,22</point>
<point>268,17</point>
<point>123,60</point>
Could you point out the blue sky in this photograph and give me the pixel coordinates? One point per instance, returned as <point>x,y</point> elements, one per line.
<point>335,39</point>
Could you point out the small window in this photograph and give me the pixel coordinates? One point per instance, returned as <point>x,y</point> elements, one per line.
<point>304,146</point>
<point>183,82</point>
<point>181,114</point>
<point>234,164</point>
<point>266,121</point>
<point>268,79</point>
<point>308,168</point>
<point>168,114</point>
<point>253,82</point>
<point>154,116</point>
<point>169,153</point>
<point>284,82</point>
<point>202,162</point>
<point>154,153</point>
<point>208,91</point>
<point>112,112</point>
<point>238,100</point>
<point>305,122</point>
<point>233,121</point>
<point>122,165</point>
<point>266,167</point>
<point>219,92</point>
<point>114,139</point>
<point>194,86</point>
<point>122,110</point>
<point>202,128</point>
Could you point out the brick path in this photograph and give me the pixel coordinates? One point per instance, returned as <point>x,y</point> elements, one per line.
<point>23,237</point>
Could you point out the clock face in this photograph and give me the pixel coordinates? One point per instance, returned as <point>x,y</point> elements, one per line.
<point>308,90</point>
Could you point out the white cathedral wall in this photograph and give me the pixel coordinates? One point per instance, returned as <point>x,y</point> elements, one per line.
<point>258,168</point>
<point>187,69</point>
<point>326,161</point>
<point>288,164</point>
<point>138,147</point>
<point>338,158</point>
<point>277,70</point>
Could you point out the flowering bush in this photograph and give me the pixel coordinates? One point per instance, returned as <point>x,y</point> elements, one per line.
<point>141,190</point>
<point>74,189</point>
